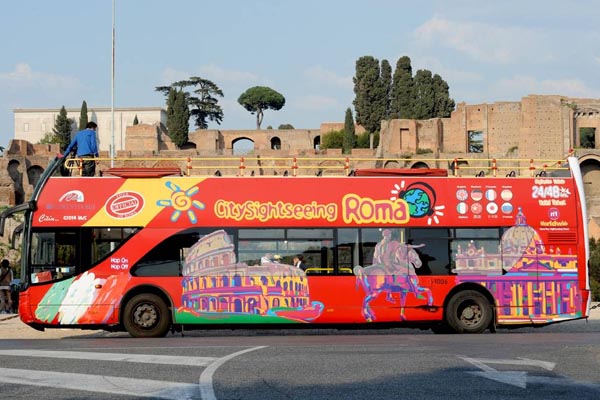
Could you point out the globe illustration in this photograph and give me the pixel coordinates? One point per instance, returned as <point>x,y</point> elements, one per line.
<point>418,201</point>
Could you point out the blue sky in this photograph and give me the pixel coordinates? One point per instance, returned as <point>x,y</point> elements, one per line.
<point>59,53</point>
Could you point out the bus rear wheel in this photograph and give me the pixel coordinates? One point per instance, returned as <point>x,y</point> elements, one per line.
<point>469,311</point>
<point>146,315</point>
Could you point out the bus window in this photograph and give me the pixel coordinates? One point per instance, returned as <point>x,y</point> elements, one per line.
<point>435,254</point>
<point>472,246</point>
<point>316,245</point>
<point>53,255</point>
<point>107,240</point>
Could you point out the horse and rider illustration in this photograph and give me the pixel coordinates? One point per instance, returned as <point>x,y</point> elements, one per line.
<point>393,271</point>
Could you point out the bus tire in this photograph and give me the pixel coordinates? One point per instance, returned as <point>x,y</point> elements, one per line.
<point>146,315</point>
<point>469,311</point>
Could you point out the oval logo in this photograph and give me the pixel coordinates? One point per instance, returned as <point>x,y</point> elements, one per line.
<point>124,204</point>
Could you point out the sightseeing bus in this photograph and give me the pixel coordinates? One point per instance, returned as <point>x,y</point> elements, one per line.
<point>150,250</point>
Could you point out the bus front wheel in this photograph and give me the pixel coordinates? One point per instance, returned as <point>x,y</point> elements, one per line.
<point>469,311</point>
<point>146,315</point>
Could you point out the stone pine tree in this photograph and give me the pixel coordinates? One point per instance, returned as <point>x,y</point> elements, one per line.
<point>369,102</point>
<point>402,93</point>
<point>443,104</point>
<point>83,116</point>
<point>386,82</point>
<point>349,133</point>
<point>179,130</point>
<point>424,95</point>
<point>258,99</point>
<point>62,129</point>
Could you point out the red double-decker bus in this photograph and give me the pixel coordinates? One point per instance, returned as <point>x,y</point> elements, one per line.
<point>148,250</point>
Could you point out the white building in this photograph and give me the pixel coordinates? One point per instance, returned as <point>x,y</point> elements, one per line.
<point>32,124</point>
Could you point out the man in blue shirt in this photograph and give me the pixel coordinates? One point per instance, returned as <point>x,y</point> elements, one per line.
<point>86,147</point>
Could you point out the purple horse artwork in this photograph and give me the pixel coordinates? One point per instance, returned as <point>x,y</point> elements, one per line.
<point>393,271</point>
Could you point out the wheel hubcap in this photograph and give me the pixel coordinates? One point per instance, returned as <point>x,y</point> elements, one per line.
<point>471,315</point>
<point>145,316</point>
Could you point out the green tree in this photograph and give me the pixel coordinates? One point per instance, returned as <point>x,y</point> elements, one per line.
<point>48,138</point>
<point>179,130</point>
<point>257,99</point>
<point>386,83</point>
<point>135,120</point>
<point>332,140</point>
<point>369,102</point>
<point>205,106</point>
<point>172,93</point>
<point>402,93</point>
<point>424,95</point>
<point>83,116</point>
<point>595,268</point>
<point>62,129</point>
<point>349,134</point>
<point>443,104</point>
<point>285,126</point>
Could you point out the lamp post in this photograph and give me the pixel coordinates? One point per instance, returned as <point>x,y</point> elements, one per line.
<point>112,93</point>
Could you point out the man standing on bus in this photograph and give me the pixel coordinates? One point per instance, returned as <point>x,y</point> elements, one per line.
<point>86,147</point>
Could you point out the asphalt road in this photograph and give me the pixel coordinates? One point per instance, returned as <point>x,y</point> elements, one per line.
<point>560,361</point>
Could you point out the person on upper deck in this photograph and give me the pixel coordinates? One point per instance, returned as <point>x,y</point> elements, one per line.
<point>85,145</point>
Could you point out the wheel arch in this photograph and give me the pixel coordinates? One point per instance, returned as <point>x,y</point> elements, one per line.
<point>145,289</point>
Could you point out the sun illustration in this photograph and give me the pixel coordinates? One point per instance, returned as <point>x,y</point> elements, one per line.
<point>421,199</point>
<point>182,201</point>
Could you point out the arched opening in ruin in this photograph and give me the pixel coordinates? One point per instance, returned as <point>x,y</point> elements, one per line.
<point>242,146</point>
<point>188,146</point>
<point>275,143</point>
<point>590,169</point>
<point>317,142</point>
<point>587,138</point>
<point>17,177</point>
<point>419,165</point>
<point>33,174</point>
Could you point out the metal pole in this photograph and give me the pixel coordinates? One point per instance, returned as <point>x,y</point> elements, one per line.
<point>112,93</point>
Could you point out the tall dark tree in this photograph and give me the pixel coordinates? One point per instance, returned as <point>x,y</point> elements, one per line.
<point>257,99</point>
<point>83,116</point>
<point>369,103</point>
<point>135,120</point>
<point>349,132</point>
<point>443,104</point>
<point>171,95</point>
<point>424,95</point>
<point>62,129</point>
<point>386,82</point>
<point>402,93</point>
<point>204,107</point>
<point>179,129</point>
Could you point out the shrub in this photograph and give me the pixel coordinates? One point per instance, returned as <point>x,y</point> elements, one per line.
<point>332,140</point>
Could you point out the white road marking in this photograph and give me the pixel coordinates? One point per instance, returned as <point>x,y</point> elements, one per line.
<point>520,378</point>
<point>547,365</point>
<point>116,385</point>
<point>206,387</point>
<point>122,357</point>
<point>101,384</point>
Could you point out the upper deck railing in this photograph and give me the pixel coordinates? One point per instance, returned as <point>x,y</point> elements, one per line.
<point>320,166</point>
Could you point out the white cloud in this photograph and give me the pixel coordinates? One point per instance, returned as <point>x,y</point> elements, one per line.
<point>23,77</point>
<point>218,74</point>
<point>322,75</point>
<point>482,42</point>
<point>522,85</point>
<point>315,102</point>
